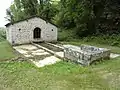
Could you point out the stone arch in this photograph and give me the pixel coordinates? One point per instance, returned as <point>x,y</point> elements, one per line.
<point>37,33</point>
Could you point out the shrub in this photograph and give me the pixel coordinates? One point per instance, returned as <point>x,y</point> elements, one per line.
<point>66,35</point>
<point>2,34</point>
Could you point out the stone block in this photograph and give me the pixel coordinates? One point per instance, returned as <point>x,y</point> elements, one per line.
<point>85,54</point>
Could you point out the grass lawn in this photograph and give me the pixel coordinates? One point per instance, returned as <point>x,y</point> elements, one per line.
<point>6,51</point>
<point>61,76</point>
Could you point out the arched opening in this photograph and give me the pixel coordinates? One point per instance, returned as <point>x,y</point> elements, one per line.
<point>37,33</point>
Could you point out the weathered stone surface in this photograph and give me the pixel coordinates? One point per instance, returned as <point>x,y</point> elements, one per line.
<point>113,55</point>
<point>23,32</point>
<point>36,55</point>
<point>47,61</point>
<point>85,54</point>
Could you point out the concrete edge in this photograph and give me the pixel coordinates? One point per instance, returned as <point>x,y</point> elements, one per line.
<point>55,45</point>
<point>48,50</point>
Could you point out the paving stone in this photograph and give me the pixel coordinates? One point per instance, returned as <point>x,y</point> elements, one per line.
<point>47,61</point>
<point>28,47</point>
<point>37,53</point>
<point>61,54</point>
<point>21,50</point>
<point>39,50</point>
<point>28,55</point>
<point>112,55</point>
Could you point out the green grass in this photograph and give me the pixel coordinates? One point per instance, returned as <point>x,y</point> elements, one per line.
<point>60,76</point>
<point>113,49</point>
<point>16,75</point>
<point>6,51</point>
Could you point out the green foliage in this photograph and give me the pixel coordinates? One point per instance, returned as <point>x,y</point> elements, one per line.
<point>66,35</point>
<point>71,35</point>
<point>87,17</point>
<point>111,40</point>
<point>29,6</point>
<point>48,11</point>
<point>22,9</point>
<point>90,17</point>
<point>2,34</point>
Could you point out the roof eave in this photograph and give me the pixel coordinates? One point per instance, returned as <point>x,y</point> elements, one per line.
<point>7,25</point>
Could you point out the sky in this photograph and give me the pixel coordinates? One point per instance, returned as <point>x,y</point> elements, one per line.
<point>4,4</point>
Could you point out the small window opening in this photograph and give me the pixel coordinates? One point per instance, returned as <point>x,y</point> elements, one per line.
<point>19,29</point>
<point>13,42</point>
<point>52,29</point>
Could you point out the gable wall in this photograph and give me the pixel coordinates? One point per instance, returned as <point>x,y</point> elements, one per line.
<point>25,35</point>
<point>9,34</point>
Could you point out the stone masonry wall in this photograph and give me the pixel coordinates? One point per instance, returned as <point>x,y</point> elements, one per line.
<point>22,32</point>
<point>84,54</point>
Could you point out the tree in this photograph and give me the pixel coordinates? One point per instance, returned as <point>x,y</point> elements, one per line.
<point>9,16</point>
<point>89,17</point>
<point>47,10</point>
<point>22,9</point>
<point>30,7</point>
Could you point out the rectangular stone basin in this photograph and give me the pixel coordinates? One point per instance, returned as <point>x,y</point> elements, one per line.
<point>85,54</point>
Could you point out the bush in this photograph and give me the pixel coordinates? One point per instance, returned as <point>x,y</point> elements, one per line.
<point>70,35</point>
<point>2,34</point>
<point>113,40</point>
<point>66,35</point>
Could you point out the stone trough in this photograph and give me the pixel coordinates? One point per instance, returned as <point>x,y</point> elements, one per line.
<point>85,54</point>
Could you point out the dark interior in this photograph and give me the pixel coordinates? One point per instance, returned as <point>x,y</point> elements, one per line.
<point>37,33</point>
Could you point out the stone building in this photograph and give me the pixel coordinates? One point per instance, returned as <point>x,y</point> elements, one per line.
<point>33,29</point>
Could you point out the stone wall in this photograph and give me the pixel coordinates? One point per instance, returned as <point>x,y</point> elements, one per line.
<point>84,54</point>
<point>22,32</point>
